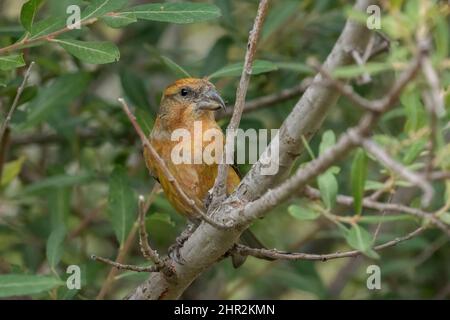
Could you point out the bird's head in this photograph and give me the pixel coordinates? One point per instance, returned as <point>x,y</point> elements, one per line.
<point>191,96</point>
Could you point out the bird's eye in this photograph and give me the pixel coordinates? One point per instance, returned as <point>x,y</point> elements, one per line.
<point>184,92</point>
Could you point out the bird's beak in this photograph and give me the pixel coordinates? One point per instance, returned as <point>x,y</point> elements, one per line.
<point>211,101</point>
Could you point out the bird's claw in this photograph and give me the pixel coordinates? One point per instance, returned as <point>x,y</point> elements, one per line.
<point>174,250</point>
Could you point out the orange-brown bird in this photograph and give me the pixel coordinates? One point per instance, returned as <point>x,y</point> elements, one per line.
<point>183,103</point>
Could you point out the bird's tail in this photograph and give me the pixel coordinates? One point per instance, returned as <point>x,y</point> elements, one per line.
<point>248,239</point>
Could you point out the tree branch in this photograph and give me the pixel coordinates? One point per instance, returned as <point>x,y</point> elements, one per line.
<point>219,188</point>
<point>386,207</point>
<point>267,254</point>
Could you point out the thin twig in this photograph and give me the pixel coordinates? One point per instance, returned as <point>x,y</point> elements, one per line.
<point>123,251</point>
<point>381,155</point>
<point>345,89</point>
<point>268,100</point>
<point>381,206</point>
<point>16,101</point>
<point>219,188</point>
<point>121,266</point>
<point>146,250</point>
<point>160,162</point>
<point>26,41</point>
<point>273,254</point>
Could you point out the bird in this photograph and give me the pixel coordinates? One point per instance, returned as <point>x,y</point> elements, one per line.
<point>184,104</point>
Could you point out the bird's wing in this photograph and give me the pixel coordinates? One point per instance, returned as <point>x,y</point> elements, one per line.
<point>149,165</point>
<point>236,170</point>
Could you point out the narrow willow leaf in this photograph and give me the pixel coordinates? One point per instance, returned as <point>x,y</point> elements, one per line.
<point>217,55</point>
<point>134,88</point>
<point>45,27</point>
<point>98,52</point>
<point>58,94</point>
<point>328,140</point>
<point>119,19</point>
<point>445,217</point>
<point>235,70</point>
<point>295,66</point>
<point>361,240</point>
<point>352,71</point>
<point>12,285</point>
<point>57,181</point>
<point>59,205</point>
<point>28,13</point>
<point>145,120</point>
<point>358,179</point>
<point>373,185</point>
<point>55,246</point>
<point>328,187</point>
<point>414,151</point>
<point>11,62</point>
<point>302,212</point>
<point>121,204</point>
<point>161,217</point>
<point>184,12</point>
<point>11,170</point>
<point>175,68</point>
<point>98,8</point>
<point>279,16</point>
<point>387,218</point>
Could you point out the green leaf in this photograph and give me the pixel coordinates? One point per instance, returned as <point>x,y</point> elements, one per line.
<point>47,26</point>
<point>119,19</point>
<point>373,185</point>
<point>328,140</point>
<point>389,218</point>
<point>328,187</point>
<point>441,36</point>
<point>235,70</point>
<point>98,8</point>
<point>358,178</point>
<point>58,94</point>
<point>302,212</point>
<point>217,55</point>
<point>184,12</point>
<point>445,217</point>
<point>162,217</point>
<point>11,170</point>
<point>356,70</point>
<point>58,181</point>
<point>278,16</point>
<point>414,151</point>
<point>295,66</point>
<point>175,68</point>
<point>28,13</point>
<point>145,120</point>
<point>121,204</point>
<point>20,284</point>
<point>134,88</point>
<point>55,246</point>
<point>361,240</point>
<point>59,205</point>
<point>11,62</point>
<point>414,110</point>
<point>98,52</point>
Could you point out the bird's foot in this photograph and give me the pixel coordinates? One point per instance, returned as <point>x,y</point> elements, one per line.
<point>208,198</point>
<point>174,250</point>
